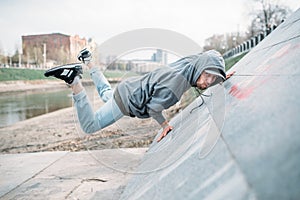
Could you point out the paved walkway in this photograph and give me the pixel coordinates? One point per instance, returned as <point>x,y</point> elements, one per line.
<point>98,174</point>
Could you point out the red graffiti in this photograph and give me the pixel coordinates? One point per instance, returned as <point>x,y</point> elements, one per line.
<point>244,89</point>
<point>240,93</point>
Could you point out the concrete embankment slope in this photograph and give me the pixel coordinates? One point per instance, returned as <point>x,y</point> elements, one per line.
<point>243,142</point>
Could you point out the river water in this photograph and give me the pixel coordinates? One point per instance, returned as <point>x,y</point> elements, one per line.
<point>18,107</point>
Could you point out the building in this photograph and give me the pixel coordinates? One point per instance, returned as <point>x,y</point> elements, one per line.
<point>139,65</point>
<point>48,49</point>
<point>160,56</point>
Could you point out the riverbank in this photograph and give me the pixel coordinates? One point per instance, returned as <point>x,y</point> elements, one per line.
<point>60,131</point>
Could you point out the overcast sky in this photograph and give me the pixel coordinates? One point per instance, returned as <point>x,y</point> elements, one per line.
<point>103,19</point>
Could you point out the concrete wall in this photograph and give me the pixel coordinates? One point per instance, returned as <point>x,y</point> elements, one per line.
<point>243,142</point>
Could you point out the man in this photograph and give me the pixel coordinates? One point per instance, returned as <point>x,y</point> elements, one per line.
<point>141,97</point>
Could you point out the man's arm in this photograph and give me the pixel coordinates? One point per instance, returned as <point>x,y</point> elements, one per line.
<point>166,129</point>
<point>229,75</point>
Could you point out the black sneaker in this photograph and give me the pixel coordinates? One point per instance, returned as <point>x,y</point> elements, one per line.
<point>84,56</point>
<point>65,72</point>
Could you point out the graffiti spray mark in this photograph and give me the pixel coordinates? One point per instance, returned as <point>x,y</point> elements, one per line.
<point>244,89</point>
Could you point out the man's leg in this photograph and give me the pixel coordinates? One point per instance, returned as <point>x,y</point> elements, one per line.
<point>103,87</point>
<point>91,122</point>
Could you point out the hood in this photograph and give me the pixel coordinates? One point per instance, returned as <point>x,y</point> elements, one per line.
<point>192,66</point>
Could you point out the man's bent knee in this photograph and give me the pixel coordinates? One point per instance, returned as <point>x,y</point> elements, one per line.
<point>89,129</point>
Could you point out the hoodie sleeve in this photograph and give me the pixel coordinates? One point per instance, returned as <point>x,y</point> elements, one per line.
<point>162,98</point>
<point>158,116</point>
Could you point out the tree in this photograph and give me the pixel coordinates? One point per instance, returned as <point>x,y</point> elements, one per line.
<point>37,55</point>
<point>15,57</point>
<point>267,14</point>
<point>264,16</point>
<point>2,57</point>
<point>223,42</point>
<point>214,42</point>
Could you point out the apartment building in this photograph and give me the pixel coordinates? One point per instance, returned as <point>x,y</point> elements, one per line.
<point>54,48</point>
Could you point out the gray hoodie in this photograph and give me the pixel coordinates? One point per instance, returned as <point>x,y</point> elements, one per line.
<point>149,95</point>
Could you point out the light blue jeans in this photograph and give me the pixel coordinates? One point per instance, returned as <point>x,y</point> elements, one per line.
<point>109,113</point>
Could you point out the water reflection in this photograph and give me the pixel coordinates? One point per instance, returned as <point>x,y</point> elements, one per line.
<point>18,107</point>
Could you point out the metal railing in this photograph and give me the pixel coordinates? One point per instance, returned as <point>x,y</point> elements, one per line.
<point>248,44</point>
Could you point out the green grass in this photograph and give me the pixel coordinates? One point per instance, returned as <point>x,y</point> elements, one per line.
<point>13,74</point>
<point>232,61</point>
